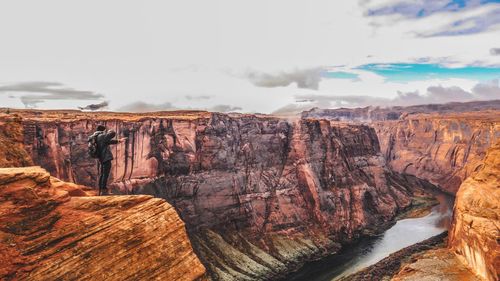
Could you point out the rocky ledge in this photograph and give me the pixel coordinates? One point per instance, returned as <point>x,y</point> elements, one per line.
<point>436,264</point>
<point>389,266</point>
<point>47,234</point>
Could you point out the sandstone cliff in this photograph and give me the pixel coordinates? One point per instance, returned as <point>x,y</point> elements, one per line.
<point>259,195</point>
<point>46,234</point>
<point>12,152</point>
<point>444,149</point>
<point>475,236</point>
<point>442,143</point>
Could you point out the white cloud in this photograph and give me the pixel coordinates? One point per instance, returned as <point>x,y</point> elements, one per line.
<point>140,106</point>
<point>303,78</point>
<point>431,95</point>
<point>168,51</point>
<point>33,93</point>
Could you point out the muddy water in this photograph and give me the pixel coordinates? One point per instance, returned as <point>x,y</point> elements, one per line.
<point>404,233</point>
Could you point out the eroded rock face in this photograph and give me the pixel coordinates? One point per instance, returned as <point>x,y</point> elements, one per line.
<point>475,236</point>
<point>46,234</point>
<point>12,152</point>
<point>444,149</point>
<point>442,143</point>
<point>259,195</point>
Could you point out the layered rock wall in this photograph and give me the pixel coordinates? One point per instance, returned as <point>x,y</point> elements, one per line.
<point>12,152</point>
<point>475,236</point>
<point>46,234</point>
<point>444,149</point>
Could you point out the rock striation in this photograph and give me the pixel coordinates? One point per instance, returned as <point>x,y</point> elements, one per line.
<point>475,236</point>
<point>12,152</point>
<point>259,195</point>
<point>47,234</point>
<point>449,149</point>
<point>444,149</point>
<point>441,143</point>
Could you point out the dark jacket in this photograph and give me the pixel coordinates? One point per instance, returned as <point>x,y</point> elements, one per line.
<point>104,139</point>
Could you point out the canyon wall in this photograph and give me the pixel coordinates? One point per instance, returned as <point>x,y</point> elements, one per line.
<point>48,234</point>
<point>442,143</point>
<point>12,152</point>
<point>449,150</point>
<point>456,152</point>
<point>475,236</point>
<point>259,195</point>
<point>443,149</point>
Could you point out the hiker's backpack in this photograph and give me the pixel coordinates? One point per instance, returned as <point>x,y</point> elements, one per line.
<point>92,145</point>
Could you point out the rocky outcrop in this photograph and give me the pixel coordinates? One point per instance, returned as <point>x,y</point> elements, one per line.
<point>259,195</point>
<point>475,236</point>
<point>46,234</point>
<point>443,149</point>
<point>438,264</point>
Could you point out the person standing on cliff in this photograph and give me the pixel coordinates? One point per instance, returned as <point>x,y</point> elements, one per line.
<point>104,138</point>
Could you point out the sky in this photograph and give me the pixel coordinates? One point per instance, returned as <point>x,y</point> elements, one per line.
<point>264,56</point>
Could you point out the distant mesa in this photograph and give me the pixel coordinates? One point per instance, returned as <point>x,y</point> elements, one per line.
<point>371,113</point>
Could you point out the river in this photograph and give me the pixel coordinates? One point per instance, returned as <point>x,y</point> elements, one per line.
<point>404,233</point>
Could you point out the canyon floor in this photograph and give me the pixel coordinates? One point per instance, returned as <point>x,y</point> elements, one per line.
<point>246,197</point>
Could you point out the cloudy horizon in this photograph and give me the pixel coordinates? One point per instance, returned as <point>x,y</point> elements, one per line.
<point>247,56</point>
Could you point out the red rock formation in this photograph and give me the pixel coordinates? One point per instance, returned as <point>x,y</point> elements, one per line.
<point>475,233</point>
<point>442,143</point>
<point>12,153</point>
<point>447,149</point>
<point>444,149</point>
<point>258,195</point>
<point>475,236</point>
<point>45,234</point>
<point>439,264</point>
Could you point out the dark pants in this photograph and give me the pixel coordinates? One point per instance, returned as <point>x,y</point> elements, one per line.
<point>103,178</point>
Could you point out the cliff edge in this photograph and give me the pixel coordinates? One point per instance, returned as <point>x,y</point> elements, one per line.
<point>46,234</point>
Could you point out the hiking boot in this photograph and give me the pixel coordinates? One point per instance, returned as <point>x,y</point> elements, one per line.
<point>104,192</point>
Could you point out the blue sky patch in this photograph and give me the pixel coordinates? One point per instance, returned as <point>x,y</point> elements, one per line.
<point>426,8</point>
<point>404,72</point>
<point>421,9</point>
<point>339,75</point>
